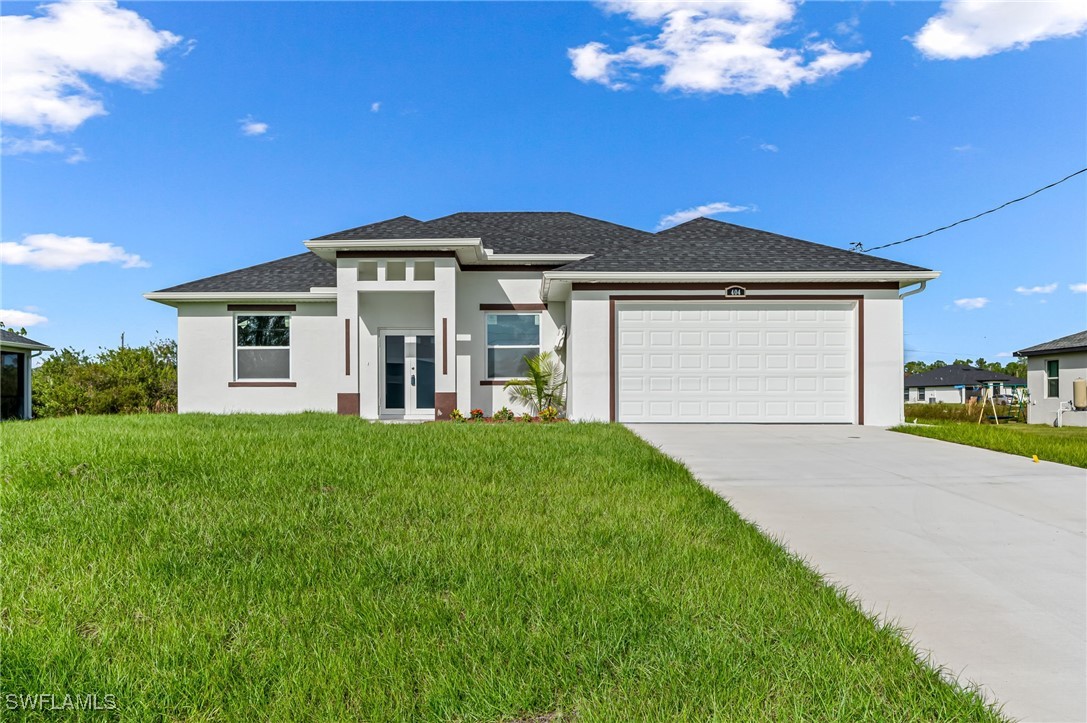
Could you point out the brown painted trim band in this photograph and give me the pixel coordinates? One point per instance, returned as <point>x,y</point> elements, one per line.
<point>420,254</point>
<point>262,384</point>
<point>260,307</point>
<point>347,347</point>
<point>347,403</point>
<point>513,307</point>
<point>445,346</point>
<point>758,286</point>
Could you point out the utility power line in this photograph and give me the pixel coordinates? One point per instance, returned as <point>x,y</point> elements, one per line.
<point>860,247</point>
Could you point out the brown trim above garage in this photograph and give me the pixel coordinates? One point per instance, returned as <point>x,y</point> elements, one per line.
<point>262,384</point>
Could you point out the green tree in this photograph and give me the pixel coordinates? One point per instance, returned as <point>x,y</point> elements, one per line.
<point>544,386</point>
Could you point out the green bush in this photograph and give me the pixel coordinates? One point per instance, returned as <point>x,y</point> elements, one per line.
<point>125,380</point>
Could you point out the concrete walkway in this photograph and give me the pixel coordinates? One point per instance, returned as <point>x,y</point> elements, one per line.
<point>981,554</point>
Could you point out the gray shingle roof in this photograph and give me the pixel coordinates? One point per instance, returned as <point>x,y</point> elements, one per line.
<point>10,337</point>
<point>706,245</point>
<point>701,245</point>
<point>508,232</point>
<point>1072,342</point>
<point>294,273</point>
<point>956,374</point>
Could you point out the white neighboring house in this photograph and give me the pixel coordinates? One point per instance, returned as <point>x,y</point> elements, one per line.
<point>956,383</point>
<point>1051,369</point>
<point>406,319</point>
<point>16,353</point>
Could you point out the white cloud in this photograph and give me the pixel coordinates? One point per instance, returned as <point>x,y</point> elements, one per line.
<point>1004,355</point>
<point>914,118</point>
<point>48,60</point>
<point>50,252</point>
<point>21,146</point>
<point>21,319</point>
<point>965,148</point>
<point>709,209</point>
<point>1028,290</point>
<point>1078,288</point>
<point>252,127</point>
<point>976,28</point>
<point>769,147</point>
<point>375,106</point>
<point>976,302</point>
<point>77,156</point>
<point>703,46</point>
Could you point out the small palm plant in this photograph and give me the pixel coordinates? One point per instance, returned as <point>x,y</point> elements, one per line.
<point>544,386</point>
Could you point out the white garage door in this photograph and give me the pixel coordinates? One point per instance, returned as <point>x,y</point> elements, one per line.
<point>736,362</point>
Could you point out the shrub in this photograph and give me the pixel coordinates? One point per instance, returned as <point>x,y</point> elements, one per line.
<point>545,385</point>
<point>477,414</point>
<point>942,412</point>
<point>526,417</point>
<point>549,414</point>
<point>456,416</point>
<point>125,380</point>
<point>503,415</point>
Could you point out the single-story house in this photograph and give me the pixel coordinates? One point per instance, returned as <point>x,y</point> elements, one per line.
<point>956,383</point>
<point>407,319</point>
<point>16,352</point>
<point>1052,367</point>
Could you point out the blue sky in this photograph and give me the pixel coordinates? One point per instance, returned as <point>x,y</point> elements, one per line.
<point>148,177</point>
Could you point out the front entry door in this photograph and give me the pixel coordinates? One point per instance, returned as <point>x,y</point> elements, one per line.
<point>407,383</point>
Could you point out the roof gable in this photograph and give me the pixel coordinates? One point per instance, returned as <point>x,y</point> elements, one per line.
<point>296,273</point>
<point>1072,342</point>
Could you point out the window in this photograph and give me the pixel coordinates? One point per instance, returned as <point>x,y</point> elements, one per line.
<point>920,394</point>
<point>511,338</point>
<point>263,346</point>
<point>1052,378</point>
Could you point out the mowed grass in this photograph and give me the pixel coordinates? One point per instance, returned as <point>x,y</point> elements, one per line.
<point>1066,445</point>
<point>317,567</point>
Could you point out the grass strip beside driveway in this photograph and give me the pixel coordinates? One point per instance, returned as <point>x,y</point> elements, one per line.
<point>316,567</point>
<point>1066,445</point>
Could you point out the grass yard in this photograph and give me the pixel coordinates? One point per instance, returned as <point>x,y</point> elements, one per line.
<point>317,567</point>
<point>1067,445</point>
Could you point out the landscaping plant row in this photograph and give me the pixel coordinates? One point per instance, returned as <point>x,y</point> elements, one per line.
<point>505,414</point>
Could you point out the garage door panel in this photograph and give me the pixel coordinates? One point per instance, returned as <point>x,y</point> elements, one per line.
<point>736,362</point>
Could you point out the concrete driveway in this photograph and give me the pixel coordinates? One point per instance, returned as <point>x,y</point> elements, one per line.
<point>981,554</point>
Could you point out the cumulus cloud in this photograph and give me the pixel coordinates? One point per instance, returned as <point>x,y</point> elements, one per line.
<point>251,127</point>
<point>375,107</point>
<point>976,28</point>
<point>1078,288</point>
<point>1029,290</point>
<point>1004,355</point>
<point>50,252</point>
<point>703,46</point>
<point>21,318</point>
<point>769,147</point>
<point>708,209</point>
<point>48,60</point>
<point>976,302</point>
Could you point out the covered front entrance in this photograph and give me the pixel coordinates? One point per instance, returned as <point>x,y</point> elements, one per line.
<point>407,374</point>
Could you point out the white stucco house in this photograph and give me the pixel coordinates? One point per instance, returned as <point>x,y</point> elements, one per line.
<point>16,354</point>
<point>1051,369</point>
<point>409,319</point>
<point>955,383</point>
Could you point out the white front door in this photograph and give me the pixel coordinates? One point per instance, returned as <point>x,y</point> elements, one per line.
<point>407,374</point>
<point>736,362</point>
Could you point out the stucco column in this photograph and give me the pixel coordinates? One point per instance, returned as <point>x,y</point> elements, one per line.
<point>345,365</point>
<point>445,337</point>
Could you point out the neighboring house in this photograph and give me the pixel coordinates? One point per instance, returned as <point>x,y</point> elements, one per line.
<point>703,322</point>
<point>956,383</point>
<point>16,352</point>
<point>1051,369</point>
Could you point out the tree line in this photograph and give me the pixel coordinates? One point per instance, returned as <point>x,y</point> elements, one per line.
<point>1016,368</point>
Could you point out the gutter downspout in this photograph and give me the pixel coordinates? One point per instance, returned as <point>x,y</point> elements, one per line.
<point>918,290</point>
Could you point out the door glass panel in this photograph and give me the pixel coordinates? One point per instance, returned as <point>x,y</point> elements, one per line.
<point>424,372</point>
<point>394,372</point>
<point>11,385</point>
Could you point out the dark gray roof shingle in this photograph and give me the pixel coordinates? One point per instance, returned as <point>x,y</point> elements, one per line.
<point>1072,342</point>
<point>10,337</point>
<point>294,273</point>
<point>956,374</point>
<point>706,245</point>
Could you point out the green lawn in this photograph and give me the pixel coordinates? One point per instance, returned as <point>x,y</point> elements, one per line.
<point>321,568</point>
<point>1067,445</point>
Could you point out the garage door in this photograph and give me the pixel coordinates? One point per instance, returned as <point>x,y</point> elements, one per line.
<point>735,362</point>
